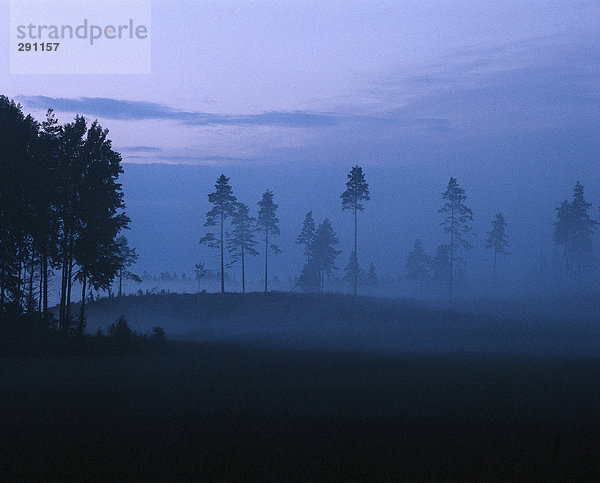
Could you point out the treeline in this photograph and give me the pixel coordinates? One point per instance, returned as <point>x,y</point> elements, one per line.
<point>236,233</point>
<point>61,211</point>
<point>441,271</point>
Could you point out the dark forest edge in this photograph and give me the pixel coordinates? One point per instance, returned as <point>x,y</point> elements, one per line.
<point>29,336</point>
<point>61,210</point>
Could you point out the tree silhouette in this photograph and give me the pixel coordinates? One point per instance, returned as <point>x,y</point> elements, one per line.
<point>324,252</point>
<point>351,269</point>
<point>61,208</point>
<point>442,268</point>
<point>242,240</point>
<point>573,229</point>
<point>200,271</point>
<point>268,224</point>
<point>357,190</point>
<point>455,223</point>
<point>418,263</point>
<point>224,204</point>
<point>126,258</point>
<point>307,235</point>
<point>497,239</point>
<point>372,279</point>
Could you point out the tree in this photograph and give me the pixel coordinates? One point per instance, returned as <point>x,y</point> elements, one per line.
<point>200,271</point>
<point>418,264</point>
<point>18,138</point>
<point>324,252</point>
<point>357,190</point>
<point>126,258</point>
<point>307,235</point>
<point>573,229</point>
<point>223,208</point>
<point>310,277</point>
<point>268,224</point>
<point>372,279</point>
<point>61,208</point>
<point>95,247</point>
<point>442,268</point>
<point>455,223</point>
<point>242,240</point>
<point>497,239</point>
<point>351,269</point>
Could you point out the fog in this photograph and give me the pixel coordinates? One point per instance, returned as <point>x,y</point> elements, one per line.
<point>167,205</point>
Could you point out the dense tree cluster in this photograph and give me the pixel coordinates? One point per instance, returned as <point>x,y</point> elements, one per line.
<point>61,209</point>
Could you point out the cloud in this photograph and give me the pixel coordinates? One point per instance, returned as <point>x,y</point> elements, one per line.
<point>140,149</point>
<point>125,110</point>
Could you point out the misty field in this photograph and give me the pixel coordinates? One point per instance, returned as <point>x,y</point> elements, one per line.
<point>247,408</point>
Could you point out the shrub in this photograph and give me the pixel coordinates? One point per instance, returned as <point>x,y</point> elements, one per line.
<point>158,339</point>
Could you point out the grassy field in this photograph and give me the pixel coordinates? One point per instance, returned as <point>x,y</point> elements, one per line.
<point>227,411</point>
<point>261,390</point>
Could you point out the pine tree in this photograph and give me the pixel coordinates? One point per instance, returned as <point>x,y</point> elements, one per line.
<point>242,240</point>
<point>357,190</point>
<point>497,239</point>
<point>573,229</point>
<point>418,263</point>
<point>223,208</point>
<point>351,269</point>
<point>372,279</point>
<point>324,252</point>
<point>455,223</point>
<point>442,268</point>
<point>307,235</point>
<point>268,224</point>
<point>310,277</point>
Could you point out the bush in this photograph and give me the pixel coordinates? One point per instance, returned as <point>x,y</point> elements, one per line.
<point>158,339</point>
<point>120,330</point>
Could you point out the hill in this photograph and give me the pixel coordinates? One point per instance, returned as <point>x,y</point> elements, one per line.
<point>342,322</point>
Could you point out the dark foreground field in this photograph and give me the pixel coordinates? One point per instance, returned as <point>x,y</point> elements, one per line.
<point>232,410</point>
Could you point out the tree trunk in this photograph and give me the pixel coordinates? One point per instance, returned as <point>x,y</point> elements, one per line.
<point>452,253</point>
<point>266,256</point>
<point>120,282</point>
<point>222,258</point>
<point>69,286</point>
<point>41,289</point>
<point>355,251</point>
<point>243,269</point>
<point>30,300</point>
<point>82,311</point>
<point>63,292</point>
<point>45,301</point>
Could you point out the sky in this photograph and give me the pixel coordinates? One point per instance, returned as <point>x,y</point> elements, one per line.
<point>503,95</point>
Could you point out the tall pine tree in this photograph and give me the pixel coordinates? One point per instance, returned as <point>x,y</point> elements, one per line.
<point>357,191</point>
<point>497,239</point>
<point>456,224</point>
<point>268,224</point>
<point>224,204</point>
<point>242,242</point>
<point>307,235</point>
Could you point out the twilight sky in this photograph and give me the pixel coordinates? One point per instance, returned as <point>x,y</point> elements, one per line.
<point>236,82</point>
<point>505,96</point>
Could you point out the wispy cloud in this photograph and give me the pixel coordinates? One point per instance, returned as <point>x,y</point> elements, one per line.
<point>140,149</point>
<point>140,111</point>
